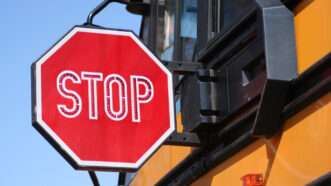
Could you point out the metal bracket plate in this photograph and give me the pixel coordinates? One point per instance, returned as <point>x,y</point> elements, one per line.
<point>181,67</point>
<point>183,139</point>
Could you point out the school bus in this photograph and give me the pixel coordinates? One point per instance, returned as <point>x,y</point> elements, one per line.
<point>252,86</point>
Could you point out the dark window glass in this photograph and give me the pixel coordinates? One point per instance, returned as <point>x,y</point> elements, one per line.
<point>145,29</point>
<point>226,13</point>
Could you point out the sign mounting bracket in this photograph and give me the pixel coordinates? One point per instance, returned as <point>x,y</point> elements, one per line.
<point>183,67</point>
<point>183,139</point>
<point>99,8</point>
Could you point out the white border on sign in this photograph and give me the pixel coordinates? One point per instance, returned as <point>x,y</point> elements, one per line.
<point>62,144</point>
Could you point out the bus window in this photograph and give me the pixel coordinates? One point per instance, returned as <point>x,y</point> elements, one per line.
<point>226,13</point>
<point>188,29</point>
<point>176,30</point>
<point>165,35</point>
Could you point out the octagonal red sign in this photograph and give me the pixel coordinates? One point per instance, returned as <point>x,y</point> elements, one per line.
<point>102,99</point>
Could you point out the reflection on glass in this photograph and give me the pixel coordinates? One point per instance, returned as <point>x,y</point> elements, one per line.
<point>166,29</point>
<point>188,28</point>
<point>189,19</point>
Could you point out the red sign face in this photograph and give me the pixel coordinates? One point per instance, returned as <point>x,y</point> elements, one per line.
<point>103,99</point>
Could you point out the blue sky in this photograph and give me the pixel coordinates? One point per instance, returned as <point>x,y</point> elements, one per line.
<point>29,28</point>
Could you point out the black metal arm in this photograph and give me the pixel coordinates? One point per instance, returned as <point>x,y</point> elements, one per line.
<point>100,7</point>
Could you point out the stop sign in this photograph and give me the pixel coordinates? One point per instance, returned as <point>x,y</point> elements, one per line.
<point>102,99</point>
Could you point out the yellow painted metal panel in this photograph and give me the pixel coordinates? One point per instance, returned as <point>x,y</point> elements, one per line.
<point>301,153</point>
<point>166,158</point>
<point>296,157</point>
<point>159,165</point>
<point>313,31</point>
<point>251,160</point>
<point>304,153</point>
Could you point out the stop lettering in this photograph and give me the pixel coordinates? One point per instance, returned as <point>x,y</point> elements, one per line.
<point>138,97</point>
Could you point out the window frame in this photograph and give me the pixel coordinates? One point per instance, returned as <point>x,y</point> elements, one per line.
<point>205,20</point>
<point>153,27</point>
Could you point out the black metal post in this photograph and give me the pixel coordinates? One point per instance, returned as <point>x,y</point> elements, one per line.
<point>94,178</point>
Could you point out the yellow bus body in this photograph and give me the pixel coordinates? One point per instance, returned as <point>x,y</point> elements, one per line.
<point>301,153</point>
